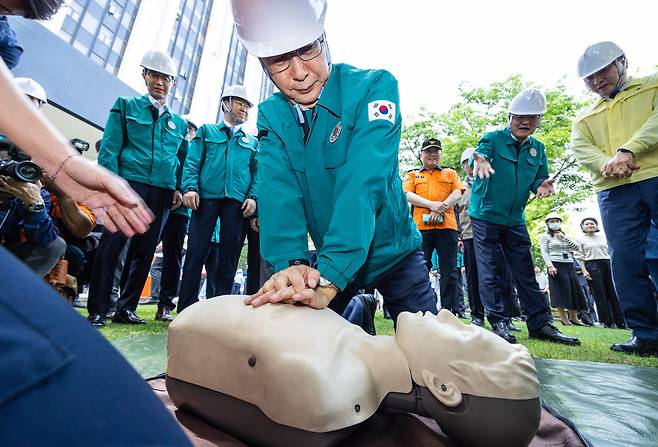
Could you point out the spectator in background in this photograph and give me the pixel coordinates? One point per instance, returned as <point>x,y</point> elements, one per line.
<point>566,293</point>
<point>26,228</point>
<point>466,236</point>
<point>219,182</point>
<point>595,264</point>
<point>145,143</point>
<point>508,164</point>
<point>10,49</point>
<point>616,139</point>
<point>433,192</point>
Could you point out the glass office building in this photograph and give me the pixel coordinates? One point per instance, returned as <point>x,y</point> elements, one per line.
<point>100,29</point>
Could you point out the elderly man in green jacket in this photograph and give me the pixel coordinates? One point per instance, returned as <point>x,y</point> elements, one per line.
<point>328,167</point>
<point>144,142</point>
<point>508,165</point>
<point>219,181</point>
<point>616,138</point>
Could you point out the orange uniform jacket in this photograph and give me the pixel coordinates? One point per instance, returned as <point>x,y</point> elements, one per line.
<point>434,185</point>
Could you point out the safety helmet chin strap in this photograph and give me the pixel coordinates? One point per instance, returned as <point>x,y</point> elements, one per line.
<point>621,72</point>
<point>228,111</point>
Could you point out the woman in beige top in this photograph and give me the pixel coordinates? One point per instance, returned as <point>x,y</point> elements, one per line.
<point>595,263</point>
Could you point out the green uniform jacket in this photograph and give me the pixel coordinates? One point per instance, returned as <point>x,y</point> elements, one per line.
<point>140,146</point>
<point>502,198</point>
<point>219,167</point>
<point>341,186</point>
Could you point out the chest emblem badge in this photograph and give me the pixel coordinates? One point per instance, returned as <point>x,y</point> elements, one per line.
<point>171,125</point>
<point>533,152</point>
<point>335,133</point>
<point>245,140</point>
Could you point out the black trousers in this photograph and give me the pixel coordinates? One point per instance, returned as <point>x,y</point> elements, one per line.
<point>212,266</point>
<point>253,261</point>
<point>472,286</point>
<point>490,239</point>
<point>603,290</point>
<point>445,244</point>
<point>231,236</point>
<point>173,238</point>
<point>138,259</point>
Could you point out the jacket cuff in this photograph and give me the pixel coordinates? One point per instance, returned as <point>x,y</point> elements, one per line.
<point>332,274</point>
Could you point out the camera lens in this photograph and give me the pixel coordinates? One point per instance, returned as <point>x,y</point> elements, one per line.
<point>28,172</point>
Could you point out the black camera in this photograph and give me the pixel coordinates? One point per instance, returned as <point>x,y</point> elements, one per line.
<point>25,171</point>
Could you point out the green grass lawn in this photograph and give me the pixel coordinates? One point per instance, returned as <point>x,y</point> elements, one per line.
<point>595,341</point>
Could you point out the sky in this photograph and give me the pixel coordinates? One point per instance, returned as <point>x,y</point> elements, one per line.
<point>432,46</point>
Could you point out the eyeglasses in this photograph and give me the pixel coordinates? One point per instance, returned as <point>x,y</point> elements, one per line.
<point>526,117</point>
<point>161,76</point>
<point>602,72</point>
<point>279,64</point>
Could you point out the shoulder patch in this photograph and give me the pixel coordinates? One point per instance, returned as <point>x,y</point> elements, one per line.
<point>381,109</point>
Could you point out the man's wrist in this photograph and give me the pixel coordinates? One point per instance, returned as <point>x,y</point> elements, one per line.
<point>625,151</point>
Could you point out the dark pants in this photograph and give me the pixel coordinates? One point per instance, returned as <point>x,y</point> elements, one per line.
<point>445,244</point>
<point>627,212</point>
<point>40,259</point>
<point>76,260</point>
<point>253,261</point>
<point>138,259</point>
<point>603,291</point>
<point>472,286</point>
<point>231,236</point>
<point>173,237</point>
<point>61,382</point>
<point>405,288</point>
<point>515,244</point>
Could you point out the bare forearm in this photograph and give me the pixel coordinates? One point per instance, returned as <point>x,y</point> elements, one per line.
<point>76,221</point>
<point>453,198</point>
<point>417,200</point>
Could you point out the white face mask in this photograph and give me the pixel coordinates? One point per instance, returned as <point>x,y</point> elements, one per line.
<point>555,226</point>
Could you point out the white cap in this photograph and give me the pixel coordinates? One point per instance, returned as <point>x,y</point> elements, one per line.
<point>528,102</point>
<point>552,215</point>
<point>598,56</point>
<point>237,91</point>
<point>466,154</point>
<point>32,88</point>
<point>191,121</point>
<point>273,27</point>
<point>159,61</point>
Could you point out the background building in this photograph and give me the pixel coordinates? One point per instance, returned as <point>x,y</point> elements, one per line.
<point>89,54</point>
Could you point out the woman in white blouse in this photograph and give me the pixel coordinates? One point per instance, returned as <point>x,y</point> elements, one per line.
<point>595,263</point>
<point>566,294</point>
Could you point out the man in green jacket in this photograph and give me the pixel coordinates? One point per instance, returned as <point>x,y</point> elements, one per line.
<point>143,142</point>
<point>616,138</point>
<point>328,166</point>
<point>219,181</point>
<point>508,165</point>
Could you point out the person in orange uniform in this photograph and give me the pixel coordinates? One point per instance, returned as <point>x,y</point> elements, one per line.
<point>433,192</point>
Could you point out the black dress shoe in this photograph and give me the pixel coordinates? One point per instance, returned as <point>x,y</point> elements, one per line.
<point>576,323</point>
<point>636,346</point>
<point>500,329</point>
<point>127,317</point>
<point>111,313</point>
<point>511,327</point>
<point>96,320</point>
<point>164,314</point>
<point>477,321</point>
<point>549,332</point>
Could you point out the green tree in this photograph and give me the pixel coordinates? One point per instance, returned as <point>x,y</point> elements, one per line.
<point>482,109</point>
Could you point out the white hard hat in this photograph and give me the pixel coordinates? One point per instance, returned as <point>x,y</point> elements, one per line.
<point>273,27</point>
<point>192,121</point>
<point>553,215</point>
<point>159,61</point>
<point>528,102</point>
<point>237,91</point>
<point>466,154</point>
<point>32,88</point>
<point>598,56</point>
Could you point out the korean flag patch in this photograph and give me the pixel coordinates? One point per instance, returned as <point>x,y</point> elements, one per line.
<point>381,109</point>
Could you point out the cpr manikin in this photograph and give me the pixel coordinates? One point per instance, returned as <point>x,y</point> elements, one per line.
<point>287,375</point>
